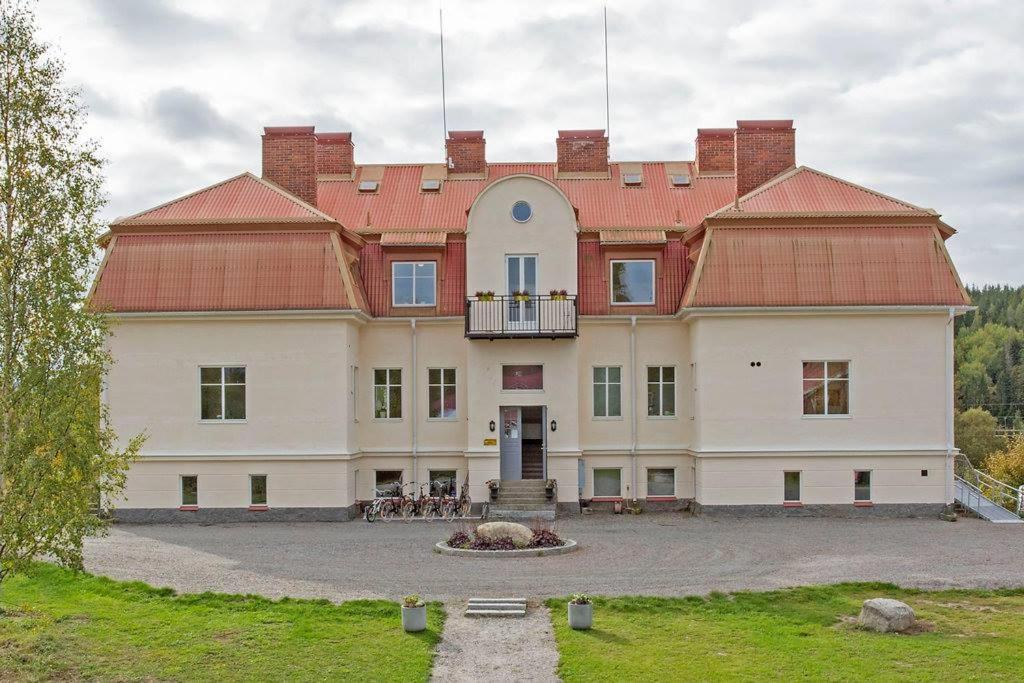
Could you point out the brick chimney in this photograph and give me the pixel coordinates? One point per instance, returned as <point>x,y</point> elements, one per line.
<point>466,151</point>
<point>582,151</point>
<point>289,159</point>
<point>715,150</point>
<point>335,154</point>
<point>764,149</point>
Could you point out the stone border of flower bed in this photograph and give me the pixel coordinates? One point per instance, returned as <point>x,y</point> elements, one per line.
<point>444,549</point>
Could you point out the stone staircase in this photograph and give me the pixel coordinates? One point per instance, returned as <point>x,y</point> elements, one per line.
<point>522,500</point>
<point>496,607</point>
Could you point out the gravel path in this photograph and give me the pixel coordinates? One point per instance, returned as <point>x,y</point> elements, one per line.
<point>653,554</point>
<point>521,649</point>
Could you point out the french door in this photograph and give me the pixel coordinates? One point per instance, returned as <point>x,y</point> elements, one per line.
<point>521,275</point>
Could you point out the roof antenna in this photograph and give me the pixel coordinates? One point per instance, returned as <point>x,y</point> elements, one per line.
<point>607,100</point>
<point>444,107</point>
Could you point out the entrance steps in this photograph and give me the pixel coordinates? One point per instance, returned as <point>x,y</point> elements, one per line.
<point>522,499</point>
<point>496,607</point>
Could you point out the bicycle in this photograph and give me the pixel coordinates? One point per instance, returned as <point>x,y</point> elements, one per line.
<point>383,506</point>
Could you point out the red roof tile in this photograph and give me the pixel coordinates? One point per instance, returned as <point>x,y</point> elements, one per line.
<point>601,202</point>
<point>242,199</point>
<point>805,190</point>
<point>828,266</point>
<point>221,272</point>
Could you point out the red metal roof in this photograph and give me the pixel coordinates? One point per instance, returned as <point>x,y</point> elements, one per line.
<point>221,272</point>
<point>600,202</point>
<point>633,236</point>
<point>824,266</point>
<point>418,238</point>
<point>242,199</point>
<point>805,190</point>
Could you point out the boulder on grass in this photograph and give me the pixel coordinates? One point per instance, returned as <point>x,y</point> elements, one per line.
<point>520,535</point>
<point>886,615</point>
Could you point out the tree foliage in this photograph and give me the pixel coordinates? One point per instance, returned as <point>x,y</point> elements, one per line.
<point>976,434</point>
<point>57,456</point>
<point>1008,465</point>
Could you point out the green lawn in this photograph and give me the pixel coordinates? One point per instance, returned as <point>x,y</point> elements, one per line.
<point>60,625</point>
<point>796,634</point>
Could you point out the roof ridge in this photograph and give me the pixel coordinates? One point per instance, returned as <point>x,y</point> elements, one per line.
<point>882,195</point>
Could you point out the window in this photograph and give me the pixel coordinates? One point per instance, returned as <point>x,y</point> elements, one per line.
<point>522,377</point>
<point>661,391</point>
<point>680,180</point>
<point>368,185</point>
<point>387,393</point>
<point>388,482</point>
<point>412,283</point>
<point>791,487</point>
<point>608,392</point>
<point>661,483</point>
<point>189,490</point>
<point>442,482</point>
<point>521,212</point>
<point>632,282</point>
<point>222,393</point>
<point>441,393</point>
<point>257,489</point>
<point>430,185</point>
<point>826,387</point>
<point>862,486</point>
<point>608,483</point>
<point>632,179</point>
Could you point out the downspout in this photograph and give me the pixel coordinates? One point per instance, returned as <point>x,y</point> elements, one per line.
<point>949,405</point>
<point>412,405</point>
<point>632,400</point>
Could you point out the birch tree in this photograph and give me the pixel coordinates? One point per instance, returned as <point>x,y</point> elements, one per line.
<point>57,456</point>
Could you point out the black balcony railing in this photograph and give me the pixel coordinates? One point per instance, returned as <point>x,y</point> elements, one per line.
<point>505,317</point>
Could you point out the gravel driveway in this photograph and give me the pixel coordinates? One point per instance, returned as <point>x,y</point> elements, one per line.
<point>653,554</point>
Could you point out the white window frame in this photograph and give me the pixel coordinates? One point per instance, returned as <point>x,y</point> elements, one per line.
<point>223,394</point>
<point>266,484</point>
<point>871,487</point>
<point>593,479</point>
<point>455,387</point>
<point>675,482</point>
<point>181,491</point>
<point>661,393</point>
<point>394,290</point>
<point>401,479</point>
<point>849,391</point>
<point>799,485</point>
<point>388,385</point>
<point>607,384</point>
<point>611,282</point>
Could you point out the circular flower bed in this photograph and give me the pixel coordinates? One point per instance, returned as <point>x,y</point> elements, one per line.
<point>495,539</point>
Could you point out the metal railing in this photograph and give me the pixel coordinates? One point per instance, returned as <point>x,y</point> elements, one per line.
<point>503,317</point>
<point>981,483</point>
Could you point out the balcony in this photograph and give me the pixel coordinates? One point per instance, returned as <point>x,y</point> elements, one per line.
<point>532,317</point>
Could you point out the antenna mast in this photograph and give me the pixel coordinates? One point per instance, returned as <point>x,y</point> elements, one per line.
<point>444,107</point>
<point>607,96</point>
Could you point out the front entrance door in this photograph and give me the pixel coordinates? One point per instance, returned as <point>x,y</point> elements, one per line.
<point>521,273</point>
<point>511,443</point>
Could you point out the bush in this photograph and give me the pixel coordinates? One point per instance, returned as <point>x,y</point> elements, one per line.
<point>460,539</point>
<point>976,434</point>
<point>542,538</point>
<point>1008,465</point>
<point>546,538</point>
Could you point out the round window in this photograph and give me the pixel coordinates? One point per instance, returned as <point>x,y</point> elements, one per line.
<point>521,212</point>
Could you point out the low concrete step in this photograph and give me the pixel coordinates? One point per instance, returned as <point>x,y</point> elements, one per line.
<point>516,601</point>
<point>523,498</point>
<point>546,513</point>
<point>495,613</point>
<point>496,607</point>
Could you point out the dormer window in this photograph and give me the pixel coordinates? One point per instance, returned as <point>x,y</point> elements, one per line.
<point>413,283</point>
<point>680,180</point>
<point>632,282</point>
<point>368,185</point>
<point>632,179</point>
<point>430,185</point>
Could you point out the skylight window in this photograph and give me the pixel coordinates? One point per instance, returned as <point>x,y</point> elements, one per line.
<point>430,185</point>
<point>680,180</point>
<point>632,179</point>
<point>368,185</point>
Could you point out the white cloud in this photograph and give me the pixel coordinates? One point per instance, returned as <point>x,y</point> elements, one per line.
<point>918,99</point>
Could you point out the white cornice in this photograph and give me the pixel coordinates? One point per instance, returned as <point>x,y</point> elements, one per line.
<point>728,311</point>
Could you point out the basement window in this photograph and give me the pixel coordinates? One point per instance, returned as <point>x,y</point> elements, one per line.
<point>430,185</point>
<point>632,179</point>
<point>368,185</point>
<point>680,180</point>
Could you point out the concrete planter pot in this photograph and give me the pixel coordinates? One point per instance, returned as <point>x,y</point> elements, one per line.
<point>414,619</point>
<point>581,617</point>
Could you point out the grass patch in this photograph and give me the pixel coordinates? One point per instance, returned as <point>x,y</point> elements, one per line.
<point>58,624</point>
<point>794,634</point>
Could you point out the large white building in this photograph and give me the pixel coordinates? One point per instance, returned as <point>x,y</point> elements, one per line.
<point>734,332</point>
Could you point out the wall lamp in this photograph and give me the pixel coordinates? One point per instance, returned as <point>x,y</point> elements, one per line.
<point>492,425</point>
<point>554,426</point>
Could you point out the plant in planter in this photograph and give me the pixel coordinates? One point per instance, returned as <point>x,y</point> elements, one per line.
<point>550,487</point>
<point>493,485</point>
<point>581,611</point>
<point>414,614</point>
<point>559,294</point>
<point>520,296</point>
<point>485,296</point>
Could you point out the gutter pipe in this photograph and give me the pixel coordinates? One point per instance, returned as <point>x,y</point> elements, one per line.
<point>632,401</point>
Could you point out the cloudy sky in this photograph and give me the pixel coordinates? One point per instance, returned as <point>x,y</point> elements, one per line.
<point>922,100</point>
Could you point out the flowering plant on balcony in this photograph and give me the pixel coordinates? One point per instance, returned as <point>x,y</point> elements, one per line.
<point>520,296</point>
<point>485,296</point>
<point>559,294</point>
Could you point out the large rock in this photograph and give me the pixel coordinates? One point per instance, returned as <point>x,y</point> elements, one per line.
<point>520,535</point>
<point>885,615</point>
